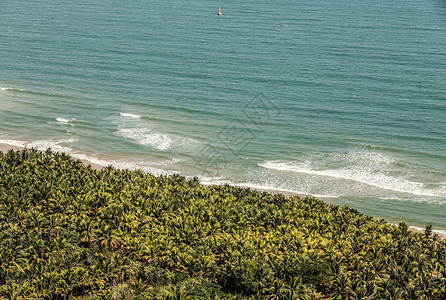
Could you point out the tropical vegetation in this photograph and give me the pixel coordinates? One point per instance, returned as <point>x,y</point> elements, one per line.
<point>68,231</point>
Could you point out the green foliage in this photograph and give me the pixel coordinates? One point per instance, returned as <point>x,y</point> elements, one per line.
<point>69,231</point>
<point>428,230</point>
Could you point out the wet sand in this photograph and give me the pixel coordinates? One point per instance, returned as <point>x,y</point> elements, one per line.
<point>6,147</point>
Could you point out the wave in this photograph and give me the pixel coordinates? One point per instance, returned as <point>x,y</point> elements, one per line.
<point>61,120</point>
<point>129,117</point>
<point>65,121</point>
<point>33,92</point>
<point>219,181</point>
<point>41,145</point>
<point>123,165</point>
<point>275,189</point>
<point>142,131</point>
<point>126,115</point>
<point>14,143</point>
<point>11,89</point>
<point>369,168</point>
<point>206,180</point>
<point>145,137</point>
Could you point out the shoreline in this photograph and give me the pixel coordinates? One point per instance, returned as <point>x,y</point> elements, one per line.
<point>6,147</point>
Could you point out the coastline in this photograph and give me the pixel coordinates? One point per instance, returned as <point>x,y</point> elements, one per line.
<point>6,147</point>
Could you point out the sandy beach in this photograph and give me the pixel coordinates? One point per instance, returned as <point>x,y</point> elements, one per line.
<point>6,147</point>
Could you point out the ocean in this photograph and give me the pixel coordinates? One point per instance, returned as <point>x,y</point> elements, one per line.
<point>342,100</point>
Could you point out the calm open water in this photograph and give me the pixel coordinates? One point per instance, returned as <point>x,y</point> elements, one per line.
<point>344,100</point>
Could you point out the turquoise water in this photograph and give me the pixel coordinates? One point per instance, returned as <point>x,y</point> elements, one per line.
<point>342,100</point>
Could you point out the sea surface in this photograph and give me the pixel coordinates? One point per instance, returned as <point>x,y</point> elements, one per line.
<point>344,100</point>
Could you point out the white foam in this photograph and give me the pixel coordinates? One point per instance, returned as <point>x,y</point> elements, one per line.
<point>126,115</point>
<point>10,89</point>
<point>414,227</point>
<point>363,167</point>
<point>219,181</point>
<point>41,145</point>
<point>442,232</point>
<point>65,121</point>
<point>50,144</point>
<point>123,165</point>
<point>212,180</point>
<point>13,143</point>
<point>145,137</point>
<point>271,188</point>
<point>61,120</point>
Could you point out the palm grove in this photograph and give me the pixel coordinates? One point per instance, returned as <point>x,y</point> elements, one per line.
<point>68,231</point>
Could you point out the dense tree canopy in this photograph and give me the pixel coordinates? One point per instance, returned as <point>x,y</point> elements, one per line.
<point>68,231</point>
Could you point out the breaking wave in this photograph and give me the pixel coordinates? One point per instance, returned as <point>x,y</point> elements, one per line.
<point>126,115</point>
<point>147,138</point>
<point>370,168</point>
